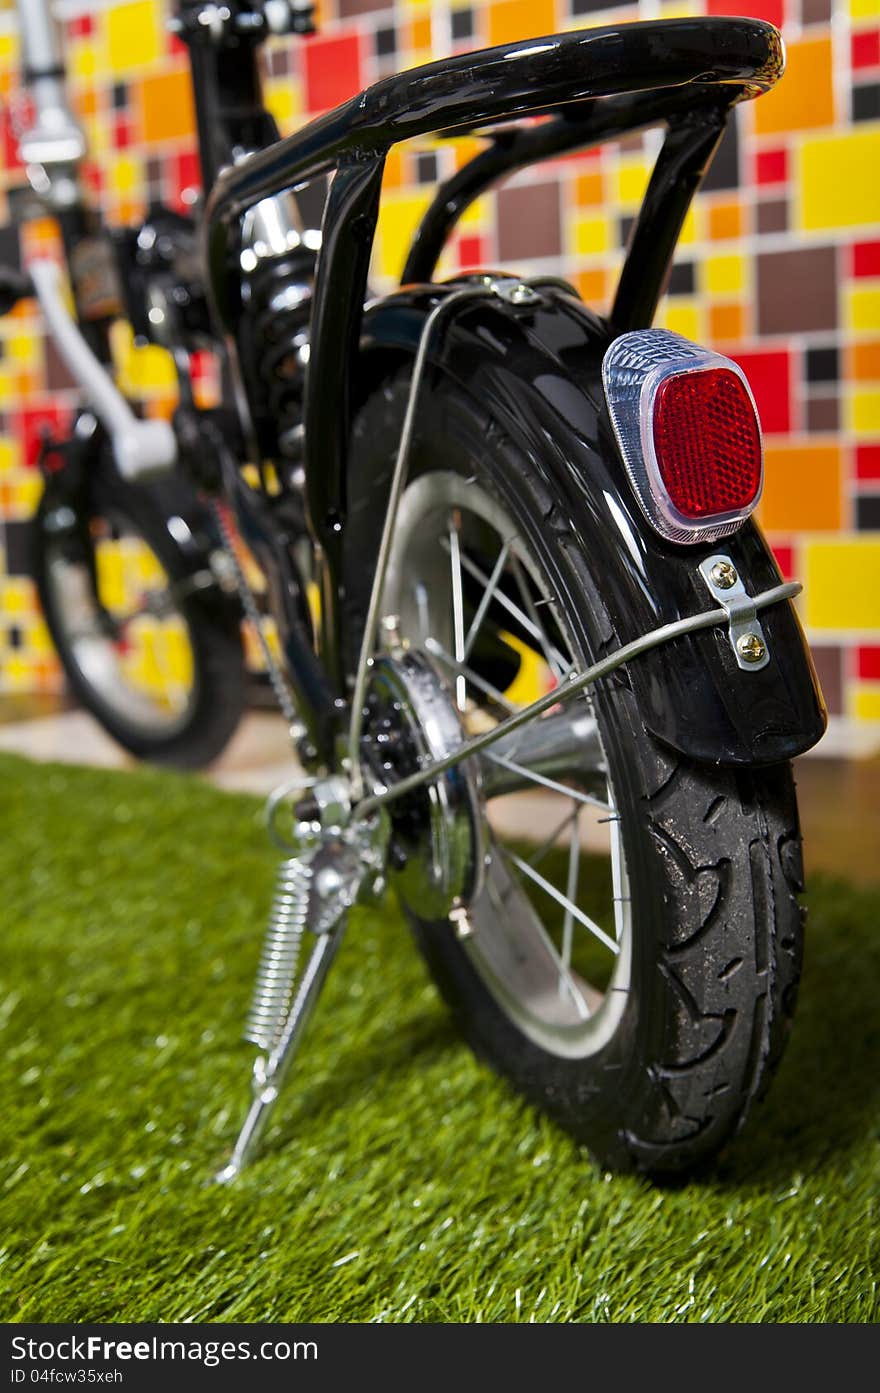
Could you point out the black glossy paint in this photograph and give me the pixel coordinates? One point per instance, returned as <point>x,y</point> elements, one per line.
<point>718,61</point>
<point>539,371</point>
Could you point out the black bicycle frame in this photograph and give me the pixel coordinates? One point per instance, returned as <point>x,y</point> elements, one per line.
<point>594,85</point>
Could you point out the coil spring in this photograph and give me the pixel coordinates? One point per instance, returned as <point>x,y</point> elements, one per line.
<point>274,333</point>
<point>273,988</point>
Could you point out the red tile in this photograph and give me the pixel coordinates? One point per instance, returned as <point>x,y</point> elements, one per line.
<point>332,70</point>
<point>32,423</point>
<point>784,559</point>
<point>771,10</point>
<point>769,375</point>
<point>771,167</point>
<point>868,462</point>
<point>868,664</point>
<point>866,259</point>
<point>187,175</point>
<point>471,252</point>
<point>81,27</point>
<point>866,49</point>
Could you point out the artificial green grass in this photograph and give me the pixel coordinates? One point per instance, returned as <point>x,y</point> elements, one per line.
<point>400,1180</point>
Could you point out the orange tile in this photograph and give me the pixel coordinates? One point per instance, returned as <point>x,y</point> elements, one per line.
<point>592,286</point>
<point>510,20</point>
<point>804,98</point>
<point>420,33</point>
<point>166,103</point>
<point>726,323</point>
<point>802,487</point>
<point>393,175</point>
<point>864,363</point>
<point>86,101</point>
<point>725,220</point>
<point>589,190</point>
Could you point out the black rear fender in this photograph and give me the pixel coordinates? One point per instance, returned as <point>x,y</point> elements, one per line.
<point>539,369</point>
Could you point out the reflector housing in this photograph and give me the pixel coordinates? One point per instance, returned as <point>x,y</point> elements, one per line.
<point>688,431</point>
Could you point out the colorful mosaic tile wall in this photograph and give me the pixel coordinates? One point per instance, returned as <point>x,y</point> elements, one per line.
<point>779,264</point>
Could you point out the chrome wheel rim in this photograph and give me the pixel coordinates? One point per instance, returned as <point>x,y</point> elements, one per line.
<point>129,642</point>
<point>464,585</point>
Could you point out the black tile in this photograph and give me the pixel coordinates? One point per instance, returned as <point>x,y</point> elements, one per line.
<point>10,249</point>
<point>426,168</point>
<point>624,228</point>
<point>588,7</point>
<point>823,365</point>
<point>682,280</point>
<point>18,548</point>
<point>120,95</point>
<point>13,636</point>
<point>386,42</point>
<point>866,102</point>
<point>723,172</point>
<point>868,512</point>
<point>462,24</point>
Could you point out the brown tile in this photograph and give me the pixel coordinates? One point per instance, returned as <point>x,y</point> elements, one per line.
<point>823,412</point>
<point>58,377</point>
<point>829,666</point>
<point>349,8</point>
<point>529,222</point>
<point>816,11</point>
<point>772,216</point>
<point>797,290</point>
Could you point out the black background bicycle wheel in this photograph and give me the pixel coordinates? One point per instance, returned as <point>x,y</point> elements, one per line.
<point>713,855</point>
<point>196,734</point>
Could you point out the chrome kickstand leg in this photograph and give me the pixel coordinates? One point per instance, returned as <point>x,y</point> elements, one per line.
<point>334,863</point>
<point>270,1070</point>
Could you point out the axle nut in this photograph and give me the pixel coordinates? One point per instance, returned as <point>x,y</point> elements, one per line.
<point>751,648</point>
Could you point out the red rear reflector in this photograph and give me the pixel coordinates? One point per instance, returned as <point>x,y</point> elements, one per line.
<point>707,443</point>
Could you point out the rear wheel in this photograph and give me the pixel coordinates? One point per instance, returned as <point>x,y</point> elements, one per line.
<point>634,938</point>
<point>158,664</point>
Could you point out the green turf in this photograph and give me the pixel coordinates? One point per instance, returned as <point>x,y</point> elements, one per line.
<point>400,1181</point>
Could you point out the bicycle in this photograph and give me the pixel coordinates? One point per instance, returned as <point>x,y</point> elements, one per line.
<point>504,492</point>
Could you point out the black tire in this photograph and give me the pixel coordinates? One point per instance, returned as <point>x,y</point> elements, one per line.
<point>713,855</point>
<point>211,708</point>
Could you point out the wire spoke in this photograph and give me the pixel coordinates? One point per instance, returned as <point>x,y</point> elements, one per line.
<point>545,781</point>
<point>563,900</point>
<point>457,609</point>
<point>553,658</point>
<point>462,669</point>
<point>533,630</point>
<point>571,887</point>
<point>565,978</point>
<point>485,602</point>
<point>545,846</point>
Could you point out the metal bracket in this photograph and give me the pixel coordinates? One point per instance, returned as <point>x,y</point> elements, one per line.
<point>746,636</point>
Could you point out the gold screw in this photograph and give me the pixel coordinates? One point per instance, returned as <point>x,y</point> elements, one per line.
<point>751,648</point>
<point>724,575</point>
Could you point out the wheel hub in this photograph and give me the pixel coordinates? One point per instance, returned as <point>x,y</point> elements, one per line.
<point>437,838</point>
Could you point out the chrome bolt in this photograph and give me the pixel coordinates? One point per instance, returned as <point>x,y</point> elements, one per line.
<point>751,648</point>
<point>522,295</point>
<point>724,575</point>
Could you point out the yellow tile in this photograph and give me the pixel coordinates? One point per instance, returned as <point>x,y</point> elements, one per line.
<point>632,180</point>
<point>133,35</point>
<point>124,175</point>
<point>804,98</point>
<point>398,219</point>
<point>476,215</point>
<point>840,583</point>
<point>724,275</point>
<point>866,703</point>
<point>864,9</point>
<point>837,180</point>
<point>682,319</point>
<point>10,455</point>
<point>689,233</point>
<point>863,411</point>
<point>282,99</point>
<point>82,61</point>
<point>861,308</point>
<point>592,236</point>
<point>26,495</point>
<point>18,595</point>
<point>21,350</point>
